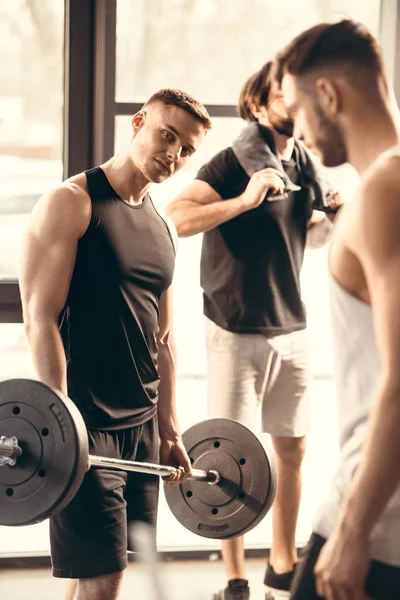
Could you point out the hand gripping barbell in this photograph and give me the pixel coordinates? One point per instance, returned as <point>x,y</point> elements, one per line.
<point>44,455</point>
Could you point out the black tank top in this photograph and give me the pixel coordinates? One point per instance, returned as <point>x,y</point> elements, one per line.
<point>124,262</point>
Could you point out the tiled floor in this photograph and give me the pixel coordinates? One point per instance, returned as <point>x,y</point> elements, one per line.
<point>180,580</point>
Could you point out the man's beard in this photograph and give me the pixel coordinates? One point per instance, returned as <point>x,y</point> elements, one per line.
<point>282,125</point>
<point>330,141</point>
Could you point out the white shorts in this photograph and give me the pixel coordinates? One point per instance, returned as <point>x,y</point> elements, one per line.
<point>250,374</point>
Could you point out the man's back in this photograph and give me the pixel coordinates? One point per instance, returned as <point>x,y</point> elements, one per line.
<point>356,347</point>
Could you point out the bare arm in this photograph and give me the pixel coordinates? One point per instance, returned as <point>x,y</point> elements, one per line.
<point>377,246</point>
<point>167,418</point>
<point>47,263</point>
<point>200,208</point>
<point>172,450</point>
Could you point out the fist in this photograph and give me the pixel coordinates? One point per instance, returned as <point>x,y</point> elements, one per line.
<point>260,183</point>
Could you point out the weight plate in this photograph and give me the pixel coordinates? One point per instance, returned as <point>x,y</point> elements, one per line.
<point>53,438</point>
<point>247,487</point>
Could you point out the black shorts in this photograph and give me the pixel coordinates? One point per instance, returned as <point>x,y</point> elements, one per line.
<point>383,581</point>
<point>90,537</point>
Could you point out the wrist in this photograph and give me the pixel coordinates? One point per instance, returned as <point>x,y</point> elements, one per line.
<point>169,430</point>
<point>243,204</point>
<point>351,528</point>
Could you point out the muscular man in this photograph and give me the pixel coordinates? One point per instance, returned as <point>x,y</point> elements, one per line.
<point>334,84</point>
<point>100,259</point>
<point>254,201</point>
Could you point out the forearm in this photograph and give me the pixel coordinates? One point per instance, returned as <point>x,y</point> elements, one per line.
<point>47,353</point>
<point>192,217</point>
<point>378,474</point>
<point>167,417</point>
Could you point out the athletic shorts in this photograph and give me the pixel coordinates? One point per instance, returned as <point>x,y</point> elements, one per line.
<point>248,373</point>
<point>91,536</point>
<point>383,580</point>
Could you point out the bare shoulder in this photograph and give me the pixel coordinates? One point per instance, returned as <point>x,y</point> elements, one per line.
<point>68,204</point>
<point>377,206</point>
<point>381,182</point>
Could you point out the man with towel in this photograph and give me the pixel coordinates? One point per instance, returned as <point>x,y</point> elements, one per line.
<point>258,203</point>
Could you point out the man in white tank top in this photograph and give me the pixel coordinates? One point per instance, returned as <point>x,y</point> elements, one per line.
<point>334,84</point>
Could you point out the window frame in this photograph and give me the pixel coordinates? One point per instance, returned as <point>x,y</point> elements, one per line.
<point>90,107</point>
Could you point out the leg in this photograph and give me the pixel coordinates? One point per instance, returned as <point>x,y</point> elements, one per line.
<point>285,417</point>
<point>289,454</point>
<point>89,537</point>
<point>100,588</point>
<point>72,588</point>
<point>233,557</point>
<point>231,378</point>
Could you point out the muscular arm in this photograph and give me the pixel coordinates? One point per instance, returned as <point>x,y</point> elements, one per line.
<point>200,208</point>
<point>167,418</point>
<point>377,245</point>
<point>48,258</point>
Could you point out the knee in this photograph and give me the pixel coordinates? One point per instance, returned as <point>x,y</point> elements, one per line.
<point>290,452</point>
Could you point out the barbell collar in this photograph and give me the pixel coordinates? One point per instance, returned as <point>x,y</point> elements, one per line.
<point>9,451</point>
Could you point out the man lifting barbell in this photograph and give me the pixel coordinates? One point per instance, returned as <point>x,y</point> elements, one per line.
<point>100,258</point>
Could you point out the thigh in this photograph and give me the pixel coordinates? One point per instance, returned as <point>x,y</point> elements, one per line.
<point>88,538</point>
<point>142,489</point>
<point>285,402</point>
<point>303,585</point>
<point>231,375</point>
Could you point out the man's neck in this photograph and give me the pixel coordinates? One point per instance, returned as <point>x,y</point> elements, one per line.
<point>125,178</point>
<point>383,133</point>
<point>283,144</point>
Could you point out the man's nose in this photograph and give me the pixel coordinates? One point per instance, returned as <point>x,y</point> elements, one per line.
<point>174,153</point>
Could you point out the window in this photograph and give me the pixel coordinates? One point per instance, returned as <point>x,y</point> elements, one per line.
<point>31,97</point>
<point>31,136</point>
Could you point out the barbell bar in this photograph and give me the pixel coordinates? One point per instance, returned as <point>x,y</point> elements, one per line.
<point>44,450</point>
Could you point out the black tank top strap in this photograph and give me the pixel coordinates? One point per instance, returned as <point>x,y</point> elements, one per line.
<point>98,185</point>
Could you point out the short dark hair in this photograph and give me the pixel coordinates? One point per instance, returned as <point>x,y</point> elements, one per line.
<point>180,99</point>
<point>256,91</point>
<point>346,44</point>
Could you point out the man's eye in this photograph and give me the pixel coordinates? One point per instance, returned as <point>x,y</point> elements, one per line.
<point>186,152</point>
<point>168,136</point>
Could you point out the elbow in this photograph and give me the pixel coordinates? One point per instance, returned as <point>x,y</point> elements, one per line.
<point>180,219</point>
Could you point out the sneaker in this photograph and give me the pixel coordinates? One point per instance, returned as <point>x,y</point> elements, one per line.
<point>237,589</point>
<point>277,585</point>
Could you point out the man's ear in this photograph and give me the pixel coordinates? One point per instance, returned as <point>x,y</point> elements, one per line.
<point>328,93</point>
<point>138,120</point>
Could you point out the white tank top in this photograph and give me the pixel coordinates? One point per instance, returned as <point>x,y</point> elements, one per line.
<point>357,373</point>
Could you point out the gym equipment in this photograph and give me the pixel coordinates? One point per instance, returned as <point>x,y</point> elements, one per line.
<point>44,456</point>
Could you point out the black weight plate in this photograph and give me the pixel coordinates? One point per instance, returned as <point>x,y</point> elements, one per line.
<point>247,487</point>
<point>53,438</point>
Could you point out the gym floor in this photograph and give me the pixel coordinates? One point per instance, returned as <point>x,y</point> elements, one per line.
<point>194,580</point>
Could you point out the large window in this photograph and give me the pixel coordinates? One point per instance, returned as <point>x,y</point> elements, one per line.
<point>31,96</point>
<point>31,139</point>
<point>208,48</point>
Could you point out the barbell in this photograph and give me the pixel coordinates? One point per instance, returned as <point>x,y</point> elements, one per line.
<point>44,455</point>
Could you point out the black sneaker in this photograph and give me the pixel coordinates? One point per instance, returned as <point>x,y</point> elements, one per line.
<point>278,585</point>
<point>237,589</point>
